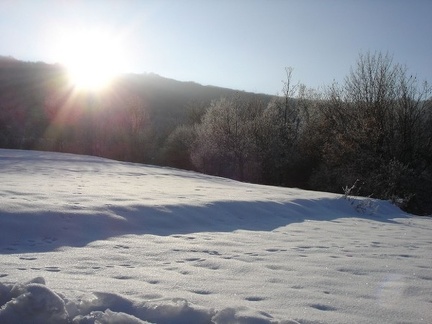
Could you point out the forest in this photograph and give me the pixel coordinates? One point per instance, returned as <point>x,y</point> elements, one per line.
<point>370,135</point>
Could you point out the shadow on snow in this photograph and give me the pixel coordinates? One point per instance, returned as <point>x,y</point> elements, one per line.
<point>47,231</point>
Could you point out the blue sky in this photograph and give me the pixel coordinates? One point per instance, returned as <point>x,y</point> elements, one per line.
<point>240,44</point>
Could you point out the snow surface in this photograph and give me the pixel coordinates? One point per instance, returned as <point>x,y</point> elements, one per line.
<point>90,240</point>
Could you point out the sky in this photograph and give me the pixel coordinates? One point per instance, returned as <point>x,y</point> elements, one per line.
<point>239,44</point>
<point>82,240</point>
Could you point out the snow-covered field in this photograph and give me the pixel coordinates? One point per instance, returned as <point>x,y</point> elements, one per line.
<point>91,240</point>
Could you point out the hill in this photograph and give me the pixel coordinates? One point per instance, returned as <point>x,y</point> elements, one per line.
<point>41,109</point>
<point>88,240</point>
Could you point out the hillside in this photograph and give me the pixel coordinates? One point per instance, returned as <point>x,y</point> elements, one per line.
<point>88,240</point>
<point>29,83</point>
<point>41,109</point>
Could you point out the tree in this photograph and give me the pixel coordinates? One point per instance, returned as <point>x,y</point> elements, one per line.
<point>279,126</point>
<point>223,144</point>
<point>375,130</point>
<point>176,151</point>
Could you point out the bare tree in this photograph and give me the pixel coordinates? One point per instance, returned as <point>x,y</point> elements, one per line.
<point>280,125</point>
<point>375,130</point>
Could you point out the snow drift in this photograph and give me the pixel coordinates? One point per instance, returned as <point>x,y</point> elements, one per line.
<point>34,303</point>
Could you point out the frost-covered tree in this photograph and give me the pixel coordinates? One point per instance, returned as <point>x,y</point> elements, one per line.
<point>280,127</point>
<point>224,144</point>
<point>375,130</point>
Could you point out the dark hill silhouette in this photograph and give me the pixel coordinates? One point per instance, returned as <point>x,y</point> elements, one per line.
<point>169,99</point>
<point>40,109</point>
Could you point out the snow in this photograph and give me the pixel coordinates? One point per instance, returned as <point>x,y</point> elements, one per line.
<point>90,240</point>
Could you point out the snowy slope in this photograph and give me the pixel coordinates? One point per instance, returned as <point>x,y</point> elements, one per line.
<point>86,240</point>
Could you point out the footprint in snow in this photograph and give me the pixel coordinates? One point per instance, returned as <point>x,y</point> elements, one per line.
<point>119,246</point>
<point>28,258</point>
<point>272,250</point>
<point>123,277</point>
<point>201,292</point>
<point>323,307</point>
<point>254,298</point>
<point>193,259</point>
<point>153,282</point>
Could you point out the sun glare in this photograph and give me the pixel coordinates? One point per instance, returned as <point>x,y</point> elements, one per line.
<point>92,59</point>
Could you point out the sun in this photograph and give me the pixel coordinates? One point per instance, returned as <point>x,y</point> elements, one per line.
<point>92,59</point>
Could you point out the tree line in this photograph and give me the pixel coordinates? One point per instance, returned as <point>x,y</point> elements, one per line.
<point>371,133</point>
